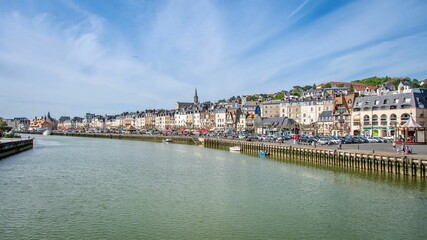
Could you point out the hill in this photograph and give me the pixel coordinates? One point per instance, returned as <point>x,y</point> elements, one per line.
<point>376,81</point>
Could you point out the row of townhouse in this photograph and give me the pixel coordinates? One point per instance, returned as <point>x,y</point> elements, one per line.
<point>326,111</point>
<point>334,111</point>
<point>216,119</point>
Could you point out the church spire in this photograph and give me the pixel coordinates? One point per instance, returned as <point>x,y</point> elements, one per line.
<point>196,98</point>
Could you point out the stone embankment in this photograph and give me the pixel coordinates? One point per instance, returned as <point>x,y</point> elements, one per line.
<point>141,137</point>
<point>384,163</point>
<point>10,147</point>
<point>379,162</point>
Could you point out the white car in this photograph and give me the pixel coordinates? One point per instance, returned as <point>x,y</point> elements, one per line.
<point>324,141</point>
<point>372,140</point>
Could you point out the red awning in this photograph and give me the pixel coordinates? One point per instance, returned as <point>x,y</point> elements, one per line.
<point>203,130</point>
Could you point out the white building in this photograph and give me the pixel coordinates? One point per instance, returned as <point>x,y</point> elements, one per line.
<point>220,118</point>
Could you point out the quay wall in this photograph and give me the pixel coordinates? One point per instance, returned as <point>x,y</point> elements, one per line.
<point>380,163</point>
<point>14,146</point>
<point>145,137</point>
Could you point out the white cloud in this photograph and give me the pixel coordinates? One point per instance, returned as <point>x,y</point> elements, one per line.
<point>81,62</point>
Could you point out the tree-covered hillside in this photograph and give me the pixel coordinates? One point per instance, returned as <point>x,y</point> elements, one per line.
<point>376,81</point>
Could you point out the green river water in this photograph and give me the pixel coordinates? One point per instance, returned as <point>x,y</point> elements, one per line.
<point>86,188</point>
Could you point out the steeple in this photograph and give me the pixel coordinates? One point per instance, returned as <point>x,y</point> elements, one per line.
<point>196,98</point>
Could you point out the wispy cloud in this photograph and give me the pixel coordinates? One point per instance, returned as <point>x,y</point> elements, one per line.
<point>298,9</point>
<point>75,57</point>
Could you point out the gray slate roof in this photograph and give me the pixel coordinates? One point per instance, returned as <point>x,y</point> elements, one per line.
<point>415,99</point>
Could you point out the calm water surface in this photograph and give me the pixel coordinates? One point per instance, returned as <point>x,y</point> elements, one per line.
<point>83,188</point>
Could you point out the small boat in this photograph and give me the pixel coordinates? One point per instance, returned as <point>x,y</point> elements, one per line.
<point>47,132</point>
<point>263,154</point>
<point>167,140</point>
<point>235,149</point>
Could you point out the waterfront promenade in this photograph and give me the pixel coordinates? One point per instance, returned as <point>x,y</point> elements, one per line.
<point>378,157</point>
<point>378,148</point>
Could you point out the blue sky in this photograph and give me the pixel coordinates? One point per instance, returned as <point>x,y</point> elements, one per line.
<point>106,57</point>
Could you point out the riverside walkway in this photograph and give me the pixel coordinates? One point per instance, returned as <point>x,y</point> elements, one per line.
<point>387,148</point>
<point>375,158</point>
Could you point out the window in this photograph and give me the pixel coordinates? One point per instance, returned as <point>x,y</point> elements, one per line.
<point>367,103</point>
<point>384,120</point>
<point>404,118</point>
<point>376,102</point>
<point>366,120</point>
<point>375,120</point>
<point>396,100</point>
<point>385,101</point>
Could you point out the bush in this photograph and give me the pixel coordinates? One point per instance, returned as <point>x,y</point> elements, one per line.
<point>11,135</point>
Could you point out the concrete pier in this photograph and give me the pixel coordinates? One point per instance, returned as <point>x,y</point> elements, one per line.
<point>10,147</point>
<point>380,163</point>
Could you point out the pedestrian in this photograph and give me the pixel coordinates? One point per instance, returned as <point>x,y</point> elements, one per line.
<point>403,149</point>
<point>394,147</point>
<point>339,145</point>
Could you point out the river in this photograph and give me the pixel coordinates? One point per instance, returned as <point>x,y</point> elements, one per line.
<point>88,188</point>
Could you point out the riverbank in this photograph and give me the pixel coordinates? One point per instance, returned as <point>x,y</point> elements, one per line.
<point>9,147</point>
<point>141,137</point>
<point>378,158</point>
<point>377,162</point>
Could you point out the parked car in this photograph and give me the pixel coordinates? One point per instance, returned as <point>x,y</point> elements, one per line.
<point>335,140</point>
<point>324,141</point>
<point>347,139</point>
<point>381,140</point>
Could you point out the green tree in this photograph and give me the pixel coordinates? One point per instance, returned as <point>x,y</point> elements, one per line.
<point>3,125</point>
<point>415,83</point>
<point>307,87</point>
<point>251,98</point>
<point>278,96</point>
<point>296,91</point>
<point>327,85</point>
